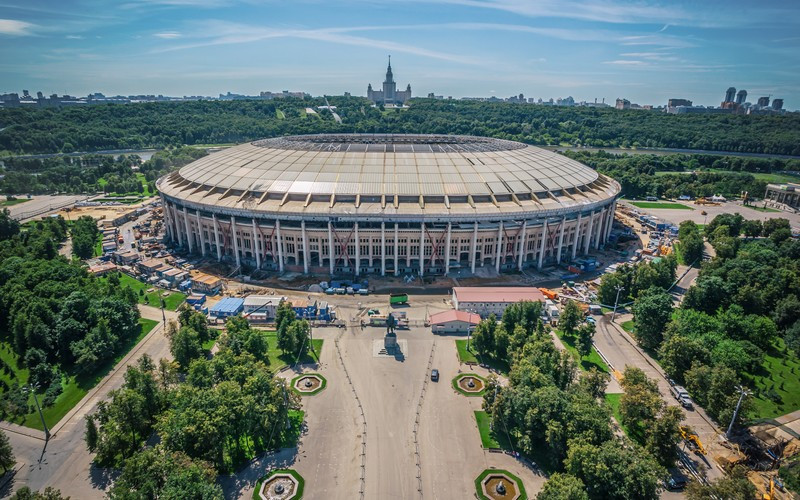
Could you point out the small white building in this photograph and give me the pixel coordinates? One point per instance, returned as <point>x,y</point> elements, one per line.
<point>454,322</point>
<point>261,308</point>
<point>486,300</point>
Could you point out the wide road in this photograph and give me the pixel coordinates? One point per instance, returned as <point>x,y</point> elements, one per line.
<point>621,351</point>
<point>65,463</point>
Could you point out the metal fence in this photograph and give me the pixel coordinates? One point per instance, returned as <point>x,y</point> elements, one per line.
<point>363,455</point>
<point>417,418</point>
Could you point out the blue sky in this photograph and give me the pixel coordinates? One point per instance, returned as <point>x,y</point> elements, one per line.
<point>644,51</point>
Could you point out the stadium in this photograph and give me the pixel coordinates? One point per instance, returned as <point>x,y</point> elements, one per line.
<point>387,204</point>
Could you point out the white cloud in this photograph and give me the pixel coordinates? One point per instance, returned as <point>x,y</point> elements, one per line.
<point>627,62</point>
<point>13,27</point>
<point>74,37</point>
<point>168,35</point>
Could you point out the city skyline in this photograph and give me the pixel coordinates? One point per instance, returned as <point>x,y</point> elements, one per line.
<point>644,52</point>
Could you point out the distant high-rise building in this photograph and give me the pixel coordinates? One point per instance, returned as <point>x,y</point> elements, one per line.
<point>741,97</point>
<point>623,104</point>
<point>678,102</point>
<point>777,104</point>
<point>763,102</point>
<point>730,94</point>
<point>389,94</point>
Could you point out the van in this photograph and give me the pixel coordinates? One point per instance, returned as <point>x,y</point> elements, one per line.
<point>651,198</point>
<point>682,396</point>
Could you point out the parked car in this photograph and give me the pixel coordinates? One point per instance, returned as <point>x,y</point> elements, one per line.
<point>673,483</point>
<point>682,395</point>
<point>434,375</point>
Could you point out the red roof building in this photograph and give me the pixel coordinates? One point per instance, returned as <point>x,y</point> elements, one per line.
<point>454,321</point>
<point>493,299</point>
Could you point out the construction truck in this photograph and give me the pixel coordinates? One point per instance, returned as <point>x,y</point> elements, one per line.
<point>693,440</point>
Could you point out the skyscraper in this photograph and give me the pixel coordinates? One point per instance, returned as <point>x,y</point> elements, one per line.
<point>763,102</point>
<point>389,93</point>
<point>730,94</point>
<point>777,104</point>
<point>741,97</point>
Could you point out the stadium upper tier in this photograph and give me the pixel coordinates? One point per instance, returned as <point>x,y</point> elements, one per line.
<point>378,174</point>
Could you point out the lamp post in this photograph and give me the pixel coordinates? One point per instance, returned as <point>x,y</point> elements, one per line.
<point>616,301</point>
<point>32,389</point>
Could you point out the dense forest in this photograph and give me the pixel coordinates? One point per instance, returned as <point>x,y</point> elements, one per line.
<point>56,319</point>
<point>671,176</point>
<point>159,125</point>
<point>93,173</point>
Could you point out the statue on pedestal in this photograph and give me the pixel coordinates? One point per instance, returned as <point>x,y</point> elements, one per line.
<point>390,339</point>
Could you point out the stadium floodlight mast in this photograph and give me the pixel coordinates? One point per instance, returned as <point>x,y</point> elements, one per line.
<point>742,394</point>
<point>616,301</point>
<point>31,388</point>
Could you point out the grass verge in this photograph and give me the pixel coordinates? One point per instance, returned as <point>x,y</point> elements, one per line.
<point>628,326</point>
<point>465,355</point>
<point>470,356</point>
<point>171,301</point>
<point>11,203</point>
<point>462,391</point>
<point>489,438</point>
<point>593,359</point>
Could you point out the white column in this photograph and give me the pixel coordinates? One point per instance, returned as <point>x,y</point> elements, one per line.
<point>255,245</point>
<point>588,234</point>
<point>600,228</point>
<point>280,244</point>
<point>305,246</point>
<point>331,250</point>
<point>474,246</point>
<point>396,269</point>
<point>358,251</point>
<point>200,234</point>
<point>422,249</point>
<point>189,238</point>
<point>181,234</point>
<point>216,236</point>
<point>523,235</point>
<point>447,251</point>
<point>235,242</point>
<point>561,239</point>
<point>167,221</point>
<point>497,246</point>
<point>611,220</point>
<point>576,238</point>
<point>383,249</point>
<point>542,245</point>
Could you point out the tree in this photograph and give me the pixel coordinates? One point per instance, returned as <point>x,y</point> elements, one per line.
<point>651,312</point>
<point>563,487</point>
<point>734,486</point>
<point>610,282</point>
<point>583,342</point>
<point>772,225</point>
<point>663,436</point>
<point>483,337</point>
<point>792,338</point>
<point>91,436</point>
<point>594,382</point>
<point>7,459</point>
<point>787,312</point>
<point>8,227</point>
<point>751,228</point>
<point>614,471</point>
<point>284,317</point>
<point>641,400</point>
<point>185,346</point>
<point>571,317</point>
<point>678,353</point>
<point>300,332</point>
<point>49,493</point>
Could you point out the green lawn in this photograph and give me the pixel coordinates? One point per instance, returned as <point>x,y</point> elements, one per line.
<point>465,355</point>
<point>613,402</point>
<point>209,344</point>
<point>280,114</point>
<point>470,356</point>
<point>777,385</point>
<point>75,387</point>
<point>171,301</point>
<point>627,326</point>
<point>98,246</point>
<point>11,203</point>
<point>585,362</point>
<point>490,438</point>
<point>659,205</point>
<point>278,360</point>
<point>763,209</point>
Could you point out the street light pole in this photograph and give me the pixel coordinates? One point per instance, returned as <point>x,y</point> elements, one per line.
<point>616,301</point>
<point>32,388</point>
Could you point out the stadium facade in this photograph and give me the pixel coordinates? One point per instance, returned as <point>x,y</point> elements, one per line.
<point>387,204</point>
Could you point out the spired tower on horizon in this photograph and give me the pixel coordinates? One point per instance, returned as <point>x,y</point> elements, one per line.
<point>389,93</point>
